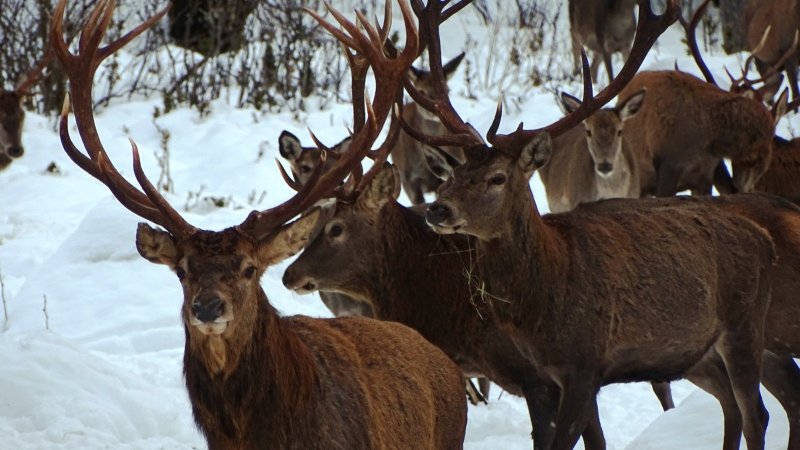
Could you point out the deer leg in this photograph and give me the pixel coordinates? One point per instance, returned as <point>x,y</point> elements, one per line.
<point>666,181</point>
<point>722,179</point>
<point>791,75</point>
<point>578,400</point>
<point>595,68</point>
<point>711,376</point>
<point>542,400</point>
<point>593,438</point>
<point>781,376</point>
<point>473,395</point>
<point>609,66</point>
<point>664,394</point>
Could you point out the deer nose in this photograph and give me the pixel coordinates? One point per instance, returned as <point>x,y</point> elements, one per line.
<point>15,151</point>
<point>207,311</point>
<point>438,213</point>
<point>605,168</point>
<point>294,281</point>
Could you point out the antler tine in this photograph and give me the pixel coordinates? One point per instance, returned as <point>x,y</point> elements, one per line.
<point>35,73</point>
<point>691,40</point>
<point>81,69</point>
<point>291,181</point>
<point>388,76</point>
<point>744,83</point>
<point>649,28</point>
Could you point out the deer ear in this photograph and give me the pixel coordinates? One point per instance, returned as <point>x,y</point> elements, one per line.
<point>289,146</point>
<point>536,153</point>
<point>384,187</point>
<point>439,162</point>
<point>289,239</point>
<point>450,68</point>
<point>157,246</point>
<point>779,109</point>
<point>571,103</point>
<point>631,106</point>
<point>415,73</point>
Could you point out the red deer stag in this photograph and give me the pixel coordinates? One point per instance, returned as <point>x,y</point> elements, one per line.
<point>372,248</point>
<point>604,297</point>
<point>688,126</point>
<point>781,219</point>
<point>603,26</point>
<point>256,379</point>
<point>772,26</point>
<point>407,154</point>
<point>12,115</point>
<point>594,161</point>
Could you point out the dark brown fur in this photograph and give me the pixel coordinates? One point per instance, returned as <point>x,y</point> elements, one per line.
<point>597,297</point>
<point>687,126</point>
<point>385,254</point>
<point>265,381</point>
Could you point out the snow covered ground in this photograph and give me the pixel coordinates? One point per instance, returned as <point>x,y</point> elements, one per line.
<point>91,351</point>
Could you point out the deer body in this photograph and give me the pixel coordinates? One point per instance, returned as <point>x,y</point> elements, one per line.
<point>604,27</point>
<point>782,17</point>
<point>593,162</point>
<point>688,126</point>
<point>580,292</point>
<point>381,249</point>
<point>12,117</point>
<point>783,175</point>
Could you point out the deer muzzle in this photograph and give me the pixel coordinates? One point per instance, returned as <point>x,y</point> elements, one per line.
<point>15,151</point>
<point>208,310</point>
<point>296,281</point>
<point>441,217</point>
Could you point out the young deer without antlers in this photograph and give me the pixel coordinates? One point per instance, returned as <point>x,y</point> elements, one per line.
<point>604,27</point>
<point>594,161</point>
<point>374,249</point>
<point>771,29</point>
<point>407,154</point>
<point>256,379</point>
<point>603,297</point>
<point>688,126</point>
<point>12,116</point>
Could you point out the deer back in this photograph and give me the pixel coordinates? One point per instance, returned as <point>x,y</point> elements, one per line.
<point>687,126</point>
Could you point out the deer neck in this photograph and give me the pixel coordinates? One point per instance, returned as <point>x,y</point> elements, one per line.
<point>421,277</point>
<point>516,269</point>
<point>739,124</point>
<point>423,120</point>
<point>260,378</point>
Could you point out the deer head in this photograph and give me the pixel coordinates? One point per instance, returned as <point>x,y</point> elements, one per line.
<point>492,185</point>
<point>604,130</point>
<point>304,160</point>
<point>220,270</point>
<point>12,115</point>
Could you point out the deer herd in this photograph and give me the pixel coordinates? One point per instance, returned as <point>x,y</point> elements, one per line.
<point>622,282</point>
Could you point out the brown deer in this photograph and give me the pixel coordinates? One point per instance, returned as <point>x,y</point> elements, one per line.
<point>372,249</point>
<point>771,29</point>
<point>256,379</point>
<point>407,154</point>
<point>12,115</point>
<point>781,219</point>
<point>594,161</point>
<point>783,174</point>
<point>599,297</point>
<point>688,126</point>
<point>603,26</point>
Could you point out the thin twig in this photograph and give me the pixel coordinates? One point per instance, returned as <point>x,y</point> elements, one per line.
<point>5,306</point>
<point>46,317</point>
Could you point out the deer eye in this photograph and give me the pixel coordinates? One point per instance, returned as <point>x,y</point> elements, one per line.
<point>335,230</point>
<point>305,169</point>
<point>588,132</point>
<point>180,273</point>
<point>249,272</point>
<point>498,179</point>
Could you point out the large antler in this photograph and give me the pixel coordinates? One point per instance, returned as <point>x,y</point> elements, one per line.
<point>649,28</point>
<point>690,28</point>
<point>148,202</point>
<point>35,73</point>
